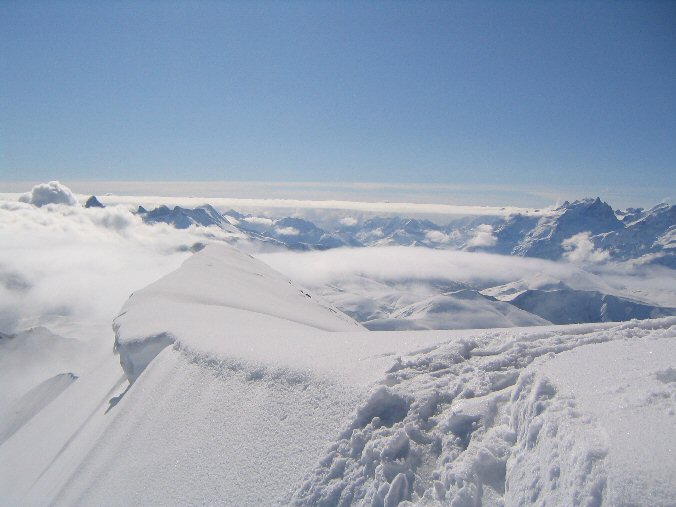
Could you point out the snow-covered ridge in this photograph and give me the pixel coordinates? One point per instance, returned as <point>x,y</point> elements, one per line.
<point>220,294</point>
<point>492,417</point>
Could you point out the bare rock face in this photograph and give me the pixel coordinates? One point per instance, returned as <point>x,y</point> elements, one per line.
<point>93,202</point>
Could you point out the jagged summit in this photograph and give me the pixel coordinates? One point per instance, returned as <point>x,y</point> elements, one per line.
<point>635,233</point>
<point>93,202</point>
<point>182,218</point>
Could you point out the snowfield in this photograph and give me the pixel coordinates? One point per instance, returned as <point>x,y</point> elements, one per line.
<point>239,387</point>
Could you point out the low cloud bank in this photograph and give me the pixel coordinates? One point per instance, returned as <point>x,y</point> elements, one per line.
<point>66,264</point>
<point>60,262</point>
<point>405,264</point>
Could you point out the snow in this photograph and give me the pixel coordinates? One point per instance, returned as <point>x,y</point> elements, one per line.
<point>34,356</point>
<point>462,309</point>
<point>37,460</point>
<point>239,387</point>
<point>229,295</point>
<point>32,402</point>
<point>463,416</point>
<point>630,388</point>
<point>489,423</point>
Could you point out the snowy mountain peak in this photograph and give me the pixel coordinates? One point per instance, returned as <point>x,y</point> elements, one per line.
<point>592,215</point>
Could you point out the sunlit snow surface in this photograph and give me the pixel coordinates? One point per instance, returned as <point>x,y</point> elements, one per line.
<point>256,393</point>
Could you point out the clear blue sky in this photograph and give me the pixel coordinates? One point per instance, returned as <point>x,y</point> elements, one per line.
<point>504,93</point>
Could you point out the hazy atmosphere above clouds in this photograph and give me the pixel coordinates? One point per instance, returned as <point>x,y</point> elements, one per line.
<point>469,94</point>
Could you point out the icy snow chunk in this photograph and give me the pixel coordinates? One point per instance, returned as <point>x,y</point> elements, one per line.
<point>385,405</point>
<point>136,355</point>
<point>397,492</point>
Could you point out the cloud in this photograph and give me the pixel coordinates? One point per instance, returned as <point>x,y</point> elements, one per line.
<point>306,208</point>
<point>440,237</point>
<point>259,221</point>
<point>71,267</point>
<point>50,193</point>
<point>406,263</point>
<point>483,236</point>
<point>580,249</point>
<point>395,264</point>
<point>287,231</point>
<point>348,221</point>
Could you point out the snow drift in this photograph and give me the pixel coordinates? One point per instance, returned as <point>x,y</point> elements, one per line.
<point>248,391</point>
<point>229,295</point>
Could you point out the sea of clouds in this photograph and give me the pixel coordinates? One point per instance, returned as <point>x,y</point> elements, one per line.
<point>61,262</point>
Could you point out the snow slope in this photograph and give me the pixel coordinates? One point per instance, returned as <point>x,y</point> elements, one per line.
<point>229,296</point>
<point>20,412</point>
<point>247,391</point>
<point>462,309</point>
<point>568,306</point>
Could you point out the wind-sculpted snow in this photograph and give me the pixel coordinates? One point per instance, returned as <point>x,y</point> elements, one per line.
<point>32,402</point>
<point>241,388</point>
<point>460,418</point>
<point>485,420</point>
<point>220,294</point>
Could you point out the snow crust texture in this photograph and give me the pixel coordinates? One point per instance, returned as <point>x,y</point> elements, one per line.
<point>487,420</point>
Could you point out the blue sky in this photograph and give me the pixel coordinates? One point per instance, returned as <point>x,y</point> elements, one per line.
<point>516,94</point>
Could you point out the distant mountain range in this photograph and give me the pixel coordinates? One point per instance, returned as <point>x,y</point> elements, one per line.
<point>647,236</point>
<point>588,230</point>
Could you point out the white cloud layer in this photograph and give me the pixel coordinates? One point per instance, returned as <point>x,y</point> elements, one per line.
<point>408,264</point>
<point>309,208</point>
<point>404,263</point>
<point>63,263</point>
